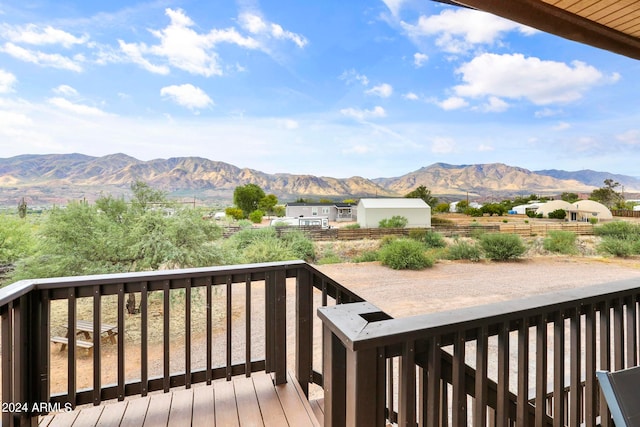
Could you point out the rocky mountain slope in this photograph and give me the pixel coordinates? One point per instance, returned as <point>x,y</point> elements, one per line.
<point>57,178</point>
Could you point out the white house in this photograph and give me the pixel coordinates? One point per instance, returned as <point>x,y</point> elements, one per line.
<point>372,211</point>
<point>583,210</point>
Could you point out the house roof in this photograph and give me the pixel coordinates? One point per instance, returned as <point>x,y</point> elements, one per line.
<point>613,25</point>
<point>400,203</point>
<point>336,204</point>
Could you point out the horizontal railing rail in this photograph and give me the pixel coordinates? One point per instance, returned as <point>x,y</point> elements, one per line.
<point>486,365</point>
<point>247,301</point>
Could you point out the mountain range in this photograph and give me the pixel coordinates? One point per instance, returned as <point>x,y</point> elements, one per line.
<point>58,178</point>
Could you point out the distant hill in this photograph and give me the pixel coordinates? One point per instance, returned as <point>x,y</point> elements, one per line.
<point>57,178</point>
<point>481,180</point>
<point>594,178</point>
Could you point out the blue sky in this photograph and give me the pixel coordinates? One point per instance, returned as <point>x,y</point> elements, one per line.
<point>375,88</point>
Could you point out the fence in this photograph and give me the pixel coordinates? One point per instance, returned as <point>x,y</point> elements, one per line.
<point>626,213</point>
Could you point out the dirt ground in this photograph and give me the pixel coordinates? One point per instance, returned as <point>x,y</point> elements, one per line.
<point>446,286</point>
<point>455,284</point>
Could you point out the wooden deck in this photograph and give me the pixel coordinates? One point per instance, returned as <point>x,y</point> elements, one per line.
<point>253,401</point>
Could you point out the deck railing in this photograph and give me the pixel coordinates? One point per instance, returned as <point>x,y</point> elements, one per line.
<point>516,363</point>
<point>228,296</point>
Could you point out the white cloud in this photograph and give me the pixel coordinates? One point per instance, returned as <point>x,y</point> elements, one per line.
<point>7,80</point>
<point>410,96</point>
<point>453,103</point>
<point>80,109</point>
<point>394,6</point>
<point>546,112</point>
<point>52,60</point>
<point>515,76</point>
<point>187,96</point>
<point>485,148</point>
<point>443,145</point>
<point>258,26</point>
<point>561,126</point>
<point>289,124</point>
<point>359,114</point>
<point>65,90</point>
<point>494,105</point>
<point>35,35</point>
<point>630,137</point>
<point>419,59</point>
<point>352,76</point>
<point>357,149</point>
<point>457,31</point>
<point>383,90</point>
<point>184,48</point>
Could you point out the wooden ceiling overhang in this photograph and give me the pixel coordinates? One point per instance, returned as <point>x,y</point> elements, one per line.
<point>613,25</point>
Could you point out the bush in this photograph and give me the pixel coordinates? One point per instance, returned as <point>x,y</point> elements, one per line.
<point>438,220</point>
<point>235,213</point>
<point>501,247</point>
<point>618,247</point>
<point>301,246</point>
<point>367,256</point>
<point>395,221</point>
<point>268,250</point>
<point>354,226</point>
<point>430,239</point>
<point>256,216</point>
<point>402,254</point>
<point>474,212</point>
<point>464,250</point>
<point>563,242</point>
<point>619,230</point>
<point>558,214</point>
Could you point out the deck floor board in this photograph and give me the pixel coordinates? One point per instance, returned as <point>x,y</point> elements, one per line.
<point>242,402</point>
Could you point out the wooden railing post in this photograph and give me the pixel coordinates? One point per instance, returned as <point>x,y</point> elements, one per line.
<point>334,368</point>
<point>304,329</point>
<point>280,324</point>
<point>27,351</point>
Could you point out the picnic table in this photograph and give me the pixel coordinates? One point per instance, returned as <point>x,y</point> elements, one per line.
<point>84,329</point>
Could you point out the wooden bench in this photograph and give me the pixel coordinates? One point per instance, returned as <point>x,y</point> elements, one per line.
<point>79,343</point>
<point>85,328</point>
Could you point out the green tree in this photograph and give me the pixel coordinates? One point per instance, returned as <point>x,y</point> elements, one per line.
<point>16,239</point>
<point>569,197</point>
<point>461,206</point>
<point>607,195</point>
<point>425,194</point>
<point>268,203</point>
<point>247,197</point>
<point>144,196</point>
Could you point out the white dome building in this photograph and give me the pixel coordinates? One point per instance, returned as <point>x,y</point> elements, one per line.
<point>554,205</point>
<point>583,210</point>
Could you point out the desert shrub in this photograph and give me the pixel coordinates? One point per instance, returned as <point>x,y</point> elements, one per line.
<point>558,214</point>
<point>268,250</point>
<point>430,239</point>
<point>256,216</point>
<point>619,230</point>
<point>477,230</point>
<point>442,208</point>
<point>618,247</point>
<point>329,257</point>
<point>300,245</point>
<point>367,256</point>
<point>395,221</point>
<point>438,220</point>
<point>502,246</point>
<point>474,212</point>
<point>385,240</point>
<point>247,236</point>
<point>353,226</point>
<point>563,242</point>
<point>464,250</point>
<point>235,213</point>
<point>16,239</point>
<point>405,254</point>
<point>593,221</point>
